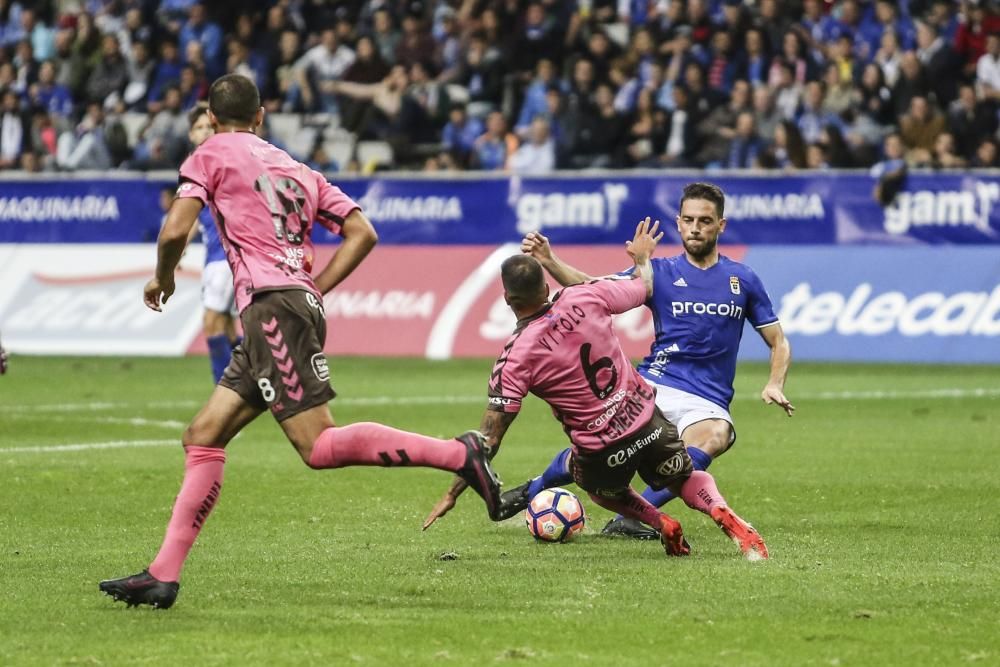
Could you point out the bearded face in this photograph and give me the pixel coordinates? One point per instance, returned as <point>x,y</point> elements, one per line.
<point>699,225</point>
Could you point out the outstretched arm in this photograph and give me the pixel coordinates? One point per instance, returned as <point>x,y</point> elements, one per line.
<point>537,246</point>
<point>781,359</point>
<point>358,91</point>
<point>359,239</point>
<point>169,248</point>
<point>641,248</point>
<point>494,426</point>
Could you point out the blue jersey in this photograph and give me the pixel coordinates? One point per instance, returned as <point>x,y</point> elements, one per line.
<point>214,252</point>
<point>698,315</point>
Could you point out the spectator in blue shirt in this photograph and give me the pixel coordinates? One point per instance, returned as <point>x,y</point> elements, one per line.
<point>812,119</point>
<point>888,18</point>
<point>890,172</point>
<point>534,94</point>
<point>851,22</point>
<point>49,95</point>
<point>11,30</point>
<point>746,145</point>
<point>41,36</point>
<point>461,132</point>
<point>492,150</point>
<point>199,29</point>
<point>753,63</point>
<point>167,73</point>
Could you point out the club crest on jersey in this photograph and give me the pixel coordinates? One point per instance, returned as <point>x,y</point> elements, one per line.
<point>734,284</point>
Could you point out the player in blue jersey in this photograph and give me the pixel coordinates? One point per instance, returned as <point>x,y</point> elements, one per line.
<point>217,294</point>
<point>700,301</point>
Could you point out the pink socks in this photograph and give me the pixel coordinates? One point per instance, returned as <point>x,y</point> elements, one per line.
<point>198,495</point>
<point>700,492</point>
<point>370,444</point>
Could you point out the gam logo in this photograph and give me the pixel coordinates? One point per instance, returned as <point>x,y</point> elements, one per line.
<point>945,208</point>
<point>571,209</point>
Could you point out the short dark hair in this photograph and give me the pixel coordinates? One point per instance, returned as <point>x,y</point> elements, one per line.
<point>706,191</point>
<point>522,278</point>
<point>197,111</point>
<point>234,99</point>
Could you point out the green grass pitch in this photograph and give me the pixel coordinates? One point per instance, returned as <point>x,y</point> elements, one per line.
<point>878,501</point>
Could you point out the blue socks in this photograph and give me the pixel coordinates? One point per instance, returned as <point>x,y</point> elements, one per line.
<point>556,474</point>
<point>699,459</point>
<point>219,353</point>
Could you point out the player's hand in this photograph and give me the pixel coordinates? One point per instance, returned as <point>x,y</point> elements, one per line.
<point>537,246</point>
<point>442,507</point>
<point>642,245</point>
<point>156,293</point>
<point>772,394</point>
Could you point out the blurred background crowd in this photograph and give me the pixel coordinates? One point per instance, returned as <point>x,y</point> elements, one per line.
<point>528,86</point>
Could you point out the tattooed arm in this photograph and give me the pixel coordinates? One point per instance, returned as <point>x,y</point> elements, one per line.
<point>494,426</point>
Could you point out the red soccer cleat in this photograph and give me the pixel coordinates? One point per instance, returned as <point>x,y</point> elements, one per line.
<point>739,531</point>
<point>672,537</point>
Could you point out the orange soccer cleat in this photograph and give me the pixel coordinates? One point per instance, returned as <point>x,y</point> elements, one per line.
<point>742,533</point>
<point>672,537</point>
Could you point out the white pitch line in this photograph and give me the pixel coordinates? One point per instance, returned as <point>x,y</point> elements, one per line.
<point>847,395</point>
<point>63,407</point>
<point>129,421</point>
<point>892,394</point>
<point>409,400</point>
<point>84,446</point>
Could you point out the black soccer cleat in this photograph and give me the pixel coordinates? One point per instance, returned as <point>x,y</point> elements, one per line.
<point>513,502</point>
<point>142,588</point>
<point>627,527</point>
<point>477,471</point>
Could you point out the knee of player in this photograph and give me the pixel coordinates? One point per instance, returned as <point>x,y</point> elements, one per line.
<point>190,437</point>
<point>716,441</point>
<point>202,434</point>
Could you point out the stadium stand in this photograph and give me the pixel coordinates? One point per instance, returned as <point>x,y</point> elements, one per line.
<point>352,85</point>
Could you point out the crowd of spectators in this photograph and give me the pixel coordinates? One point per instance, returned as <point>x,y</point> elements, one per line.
<point>522,85</point>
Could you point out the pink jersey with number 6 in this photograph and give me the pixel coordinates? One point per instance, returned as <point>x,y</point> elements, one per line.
<point>264,203</point>
<point>568,355</point>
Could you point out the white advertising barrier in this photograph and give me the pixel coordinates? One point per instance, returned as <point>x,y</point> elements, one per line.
<point>87,299</point>
<point>430,301</point>
<point>918,304</point>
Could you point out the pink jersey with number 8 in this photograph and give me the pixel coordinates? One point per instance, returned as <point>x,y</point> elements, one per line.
<point>264,203</point>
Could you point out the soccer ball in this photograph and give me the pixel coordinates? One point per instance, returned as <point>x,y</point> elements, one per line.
<point>554,515</point>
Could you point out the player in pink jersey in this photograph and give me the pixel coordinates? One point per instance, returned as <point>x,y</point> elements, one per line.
<point>265,203</point>
<point>566,352</point>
